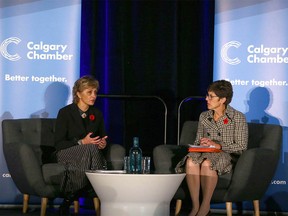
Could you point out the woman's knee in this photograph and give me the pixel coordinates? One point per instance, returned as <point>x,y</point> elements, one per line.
<point>190,164</point>
<point>206,163</point>
<point>192,168</point>
<point>206,169</point>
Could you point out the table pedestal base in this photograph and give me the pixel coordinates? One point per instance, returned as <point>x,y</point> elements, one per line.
<point>135,194</point>
<point>135,209</point>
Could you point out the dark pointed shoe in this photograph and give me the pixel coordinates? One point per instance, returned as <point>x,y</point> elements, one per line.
<point>64,209</point>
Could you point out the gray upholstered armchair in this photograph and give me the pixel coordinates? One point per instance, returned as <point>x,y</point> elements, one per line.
<point>27,144</point>
<point>251,175</point>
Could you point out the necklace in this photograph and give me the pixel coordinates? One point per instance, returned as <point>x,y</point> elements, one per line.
<point>83,115</point>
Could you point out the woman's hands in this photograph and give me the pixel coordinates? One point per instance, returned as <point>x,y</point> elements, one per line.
<point>209,143</point>
<point>101,142</point>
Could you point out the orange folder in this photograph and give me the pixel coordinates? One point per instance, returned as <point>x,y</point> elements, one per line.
<point>195,148</point>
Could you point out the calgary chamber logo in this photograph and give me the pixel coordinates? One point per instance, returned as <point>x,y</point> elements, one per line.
<point>4,47</point>
<point>224,52</point>
<point>255,54</point>
<point>34,50</point>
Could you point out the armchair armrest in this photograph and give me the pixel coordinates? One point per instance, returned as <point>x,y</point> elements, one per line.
<point>115,154</point>
<point>24,167</point>
<point>253,173</point>
<point>166,157</point>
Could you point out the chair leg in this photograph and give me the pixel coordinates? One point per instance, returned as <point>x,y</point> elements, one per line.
<point>178,207</point>
<point>76,206</point>
<point>96,202</point>
<point>44,201</point>
<point>229,208</point>
<point>256,207</point>
<point>25,203</point>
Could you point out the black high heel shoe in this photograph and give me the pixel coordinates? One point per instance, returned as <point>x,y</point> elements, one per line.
<point>64,209</point>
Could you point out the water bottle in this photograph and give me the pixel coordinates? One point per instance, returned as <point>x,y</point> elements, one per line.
<point>135,155</point>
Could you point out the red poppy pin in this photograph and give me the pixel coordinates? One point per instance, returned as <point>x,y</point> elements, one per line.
<point>225,121</point>
<point>91,117</point>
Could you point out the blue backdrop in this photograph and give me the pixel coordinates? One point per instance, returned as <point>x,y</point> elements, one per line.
<point>251,50</point>
<point>39,61</point>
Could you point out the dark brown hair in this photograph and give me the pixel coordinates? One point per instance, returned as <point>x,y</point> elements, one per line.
<point>223,89</point>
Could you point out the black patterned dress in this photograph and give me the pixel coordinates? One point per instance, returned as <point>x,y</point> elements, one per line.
<point>70,128</point>
<point>230,131</point>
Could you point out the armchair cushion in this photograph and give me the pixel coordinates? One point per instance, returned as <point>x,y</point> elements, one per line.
<point>52,173</point>
<point>224,180</point>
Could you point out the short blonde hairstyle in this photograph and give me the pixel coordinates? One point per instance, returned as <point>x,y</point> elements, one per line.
<point>83,83</point>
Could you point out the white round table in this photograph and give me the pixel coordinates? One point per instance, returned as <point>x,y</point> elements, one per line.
<point>123,194</point>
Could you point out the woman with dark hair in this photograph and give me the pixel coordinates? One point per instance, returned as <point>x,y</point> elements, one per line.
<point>80,138</point>
<point>221,127</point>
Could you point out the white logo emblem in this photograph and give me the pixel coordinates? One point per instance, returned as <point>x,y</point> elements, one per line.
<point>224,52</point>
<point>4,52</point>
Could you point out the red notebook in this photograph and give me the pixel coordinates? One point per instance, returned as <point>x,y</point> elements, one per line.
<point>196,148</point>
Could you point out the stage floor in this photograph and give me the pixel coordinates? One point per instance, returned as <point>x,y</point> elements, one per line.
<point>83,212</point>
